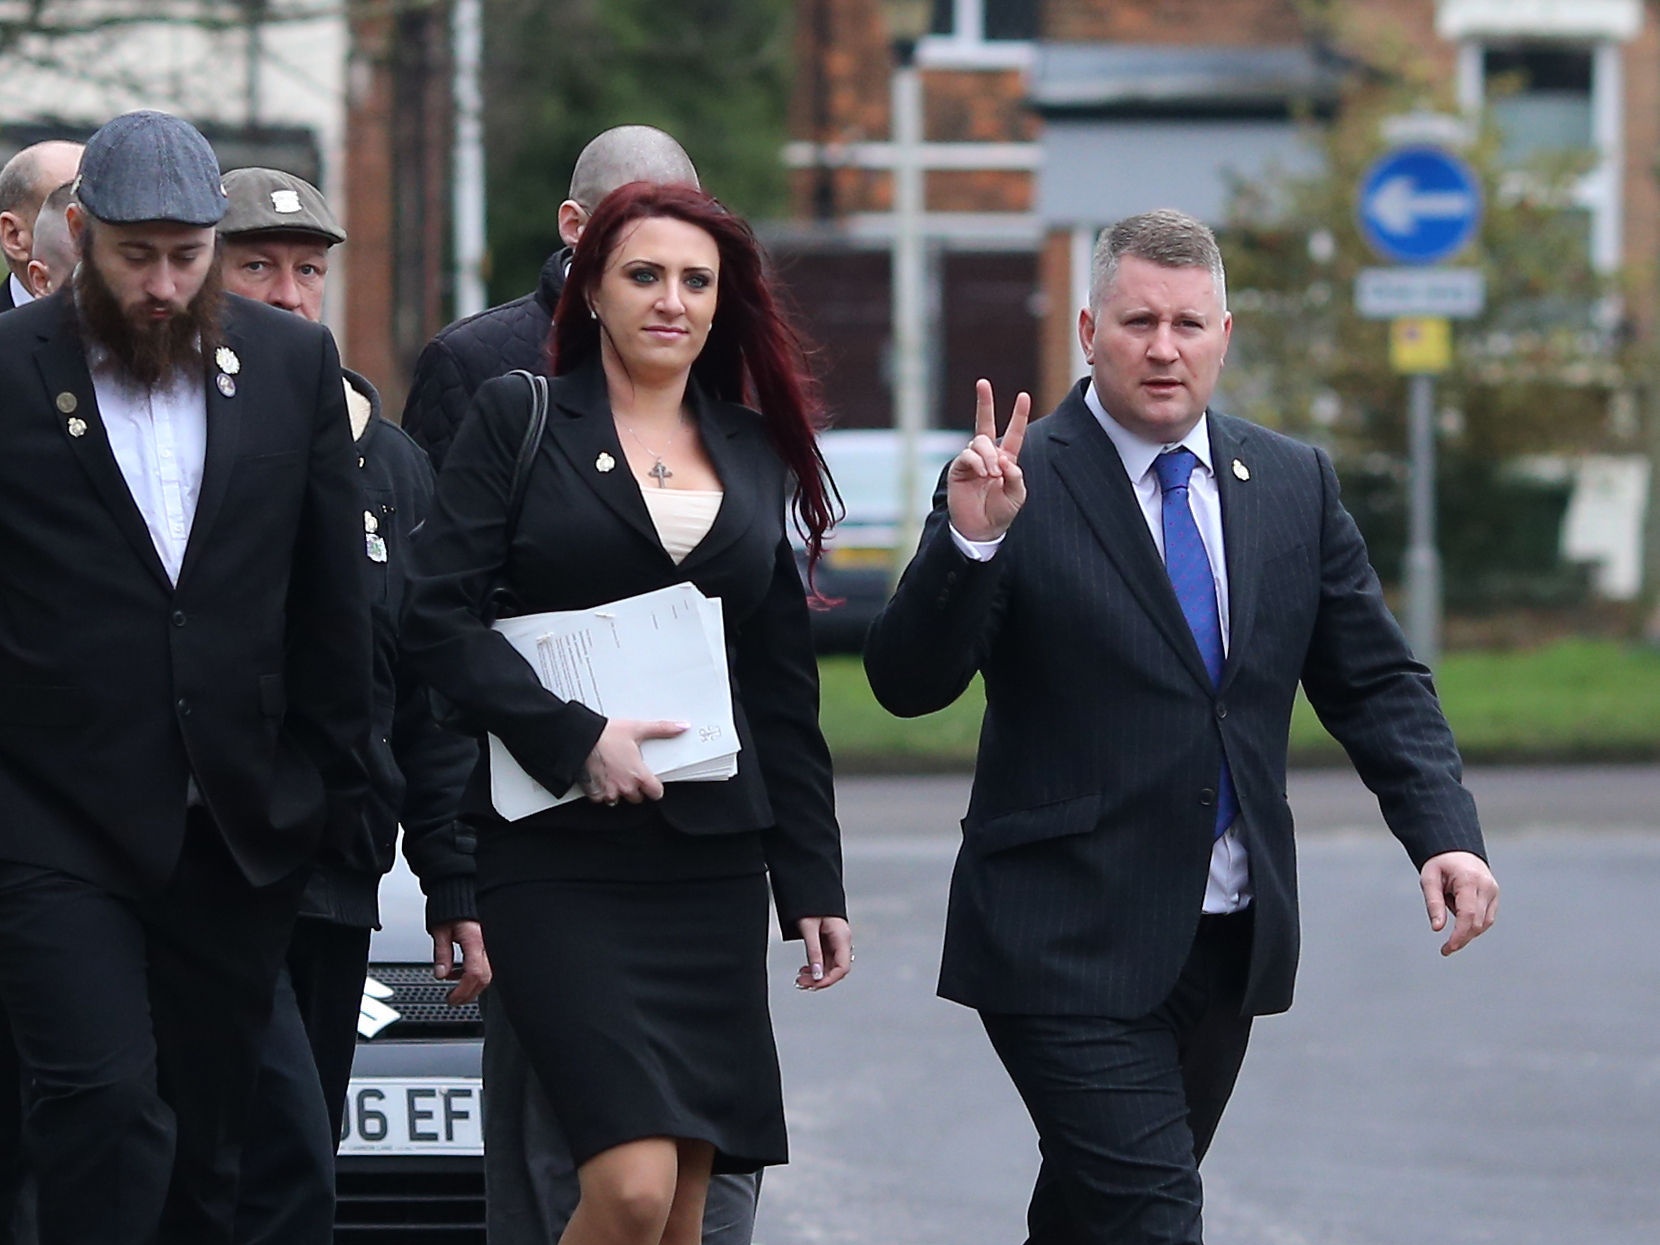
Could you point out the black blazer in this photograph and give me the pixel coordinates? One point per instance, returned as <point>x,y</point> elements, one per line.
<point>252,674</point>
<point>1087,843</point>
<point>584,538</point>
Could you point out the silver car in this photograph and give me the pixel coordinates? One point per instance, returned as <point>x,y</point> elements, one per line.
<point>411,1167</point>
<point>860,556</point>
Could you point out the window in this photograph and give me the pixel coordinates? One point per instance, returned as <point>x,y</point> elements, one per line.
<point>1540,97</point>
<point>1555,98</point>
<point>988,21</point>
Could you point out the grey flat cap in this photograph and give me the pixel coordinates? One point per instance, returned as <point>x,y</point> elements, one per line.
<point>271,201</point>
<point>145,166</point>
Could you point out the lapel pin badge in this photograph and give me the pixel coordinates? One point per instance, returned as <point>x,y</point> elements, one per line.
<point>1240,470</point>
<point>374,543</point>
<point>227,386</point>
<point>226,361</point>
<point>66,402</point>
<point>77,427</point>
<point>604,462</point>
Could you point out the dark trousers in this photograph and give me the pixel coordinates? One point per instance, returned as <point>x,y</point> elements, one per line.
<point>286,1196</point>
<point>530,1177</point>
<point>137,1022</point>
<point>16,1200</point>
<point>328,963</point>
<point>1125,1109</point>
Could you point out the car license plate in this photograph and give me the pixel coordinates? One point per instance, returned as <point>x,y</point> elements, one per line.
<point>414,1115</point>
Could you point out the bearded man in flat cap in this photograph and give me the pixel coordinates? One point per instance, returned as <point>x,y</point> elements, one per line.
<point>184,688</point>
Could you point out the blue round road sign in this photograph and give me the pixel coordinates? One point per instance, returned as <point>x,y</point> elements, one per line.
<point>1419,205</point>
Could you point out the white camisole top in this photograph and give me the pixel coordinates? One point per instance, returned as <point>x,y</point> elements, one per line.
<point>682,516</point>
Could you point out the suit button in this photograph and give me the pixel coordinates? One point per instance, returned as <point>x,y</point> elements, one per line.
<point>178,618</point>
<point>1207,797</point>
<point>1221,708</point>
<point>183,706</point>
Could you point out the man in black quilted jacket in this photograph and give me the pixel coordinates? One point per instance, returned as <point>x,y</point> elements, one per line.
<point>514,335</point>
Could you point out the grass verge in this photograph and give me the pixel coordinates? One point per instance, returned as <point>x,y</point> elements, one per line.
<point>1574,700</point>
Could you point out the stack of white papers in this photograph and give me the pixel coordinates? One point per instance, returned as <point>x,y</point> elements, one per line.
<point>657,656</point>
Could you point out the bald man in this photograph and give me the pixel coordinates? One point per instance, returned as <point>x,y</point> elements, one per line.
<point>25,181</point>
<point>514,335</point>
<point>53,256</point>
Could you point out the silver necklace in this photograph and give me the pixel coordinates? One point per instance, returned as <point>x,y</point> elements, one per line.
<point>658,471</point>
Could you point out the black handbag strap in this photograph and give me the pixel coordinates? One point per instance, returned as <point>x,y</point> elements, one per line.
<point>527,449</point>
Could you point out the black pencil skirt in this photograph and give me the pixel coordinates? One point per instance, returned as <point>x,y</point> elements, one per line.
<point>642,1007</point>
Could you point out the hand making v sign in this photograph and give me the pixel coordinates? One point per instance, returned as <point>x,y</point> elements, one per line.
<point>984,489</point>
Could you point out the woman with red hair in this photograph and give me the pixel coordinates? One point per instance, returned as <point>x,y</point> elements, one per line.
<point>628,929</point>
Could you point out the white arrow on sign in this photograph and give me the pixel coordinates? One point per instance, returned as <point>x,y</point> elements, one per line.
<point>1398,205</point>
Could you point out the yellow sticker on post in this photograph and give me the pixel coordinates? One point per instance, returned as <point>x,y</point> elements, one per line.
<point>1420,345</point>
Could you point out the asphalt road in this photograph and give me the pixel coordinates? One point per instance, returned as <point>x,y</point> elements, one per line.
<point>1509,1094</point>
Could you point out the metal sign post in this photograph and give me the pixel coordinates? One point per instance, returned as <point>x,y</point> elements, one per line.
<point>1421,347</point>
<point>1423,556</point>
<point>1418,206</point>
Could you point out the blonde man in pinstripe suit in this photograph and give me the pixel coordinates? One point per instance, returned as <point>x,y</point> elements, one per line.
<point>1143,583</point>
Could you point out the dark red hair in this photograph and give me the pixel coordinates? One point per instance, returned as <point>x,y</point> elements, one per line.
<point>754,354</point>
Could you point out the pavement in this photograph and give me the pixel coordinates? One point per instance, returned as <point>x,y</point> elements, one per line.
<point>1508,1094</point>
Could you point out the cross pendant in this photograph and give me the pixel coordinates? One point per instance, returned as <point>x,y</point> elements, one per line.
<point>660,473</point>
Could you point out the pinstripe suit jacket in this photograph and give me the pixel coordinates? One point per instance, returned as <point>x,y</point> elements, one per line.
<point>1088,837</point>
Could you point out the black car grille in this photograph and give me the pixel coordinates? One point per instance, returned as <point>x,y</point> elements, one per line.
<point>417,1207</point>
<point>420,1003</point>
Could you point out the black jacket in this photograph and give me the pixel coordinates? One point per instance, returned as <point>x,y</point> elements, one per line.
<point>585,537</point>
<point>469,352</point>
<point>1089,833</point>
<point>417,770</point>
<point>250,675</point>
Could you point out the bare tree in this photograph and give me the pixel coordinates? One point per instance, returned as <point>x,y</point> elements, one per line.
<point>84,39</point>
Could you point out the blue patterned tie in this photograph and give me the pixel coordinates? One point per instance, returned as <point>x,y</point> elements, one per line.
<point>1191,576</point>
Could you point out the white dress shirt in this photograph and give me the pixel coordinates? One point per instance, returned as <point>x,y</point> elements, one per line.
<point>159,438</point>
<point>20,292</point>
<point>1229,886</point>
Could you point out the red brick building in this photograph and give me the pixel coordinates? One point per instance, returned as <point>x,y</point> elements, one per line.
<point>1045,120</point>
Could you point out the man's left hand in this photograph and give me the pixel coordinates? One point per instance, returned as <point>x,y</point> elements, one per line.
<point>1460,884</point>
<point>475,963</point>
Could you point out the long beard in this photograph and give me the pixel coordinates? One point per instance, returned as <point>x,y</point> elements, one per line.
<point>152,352</point>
